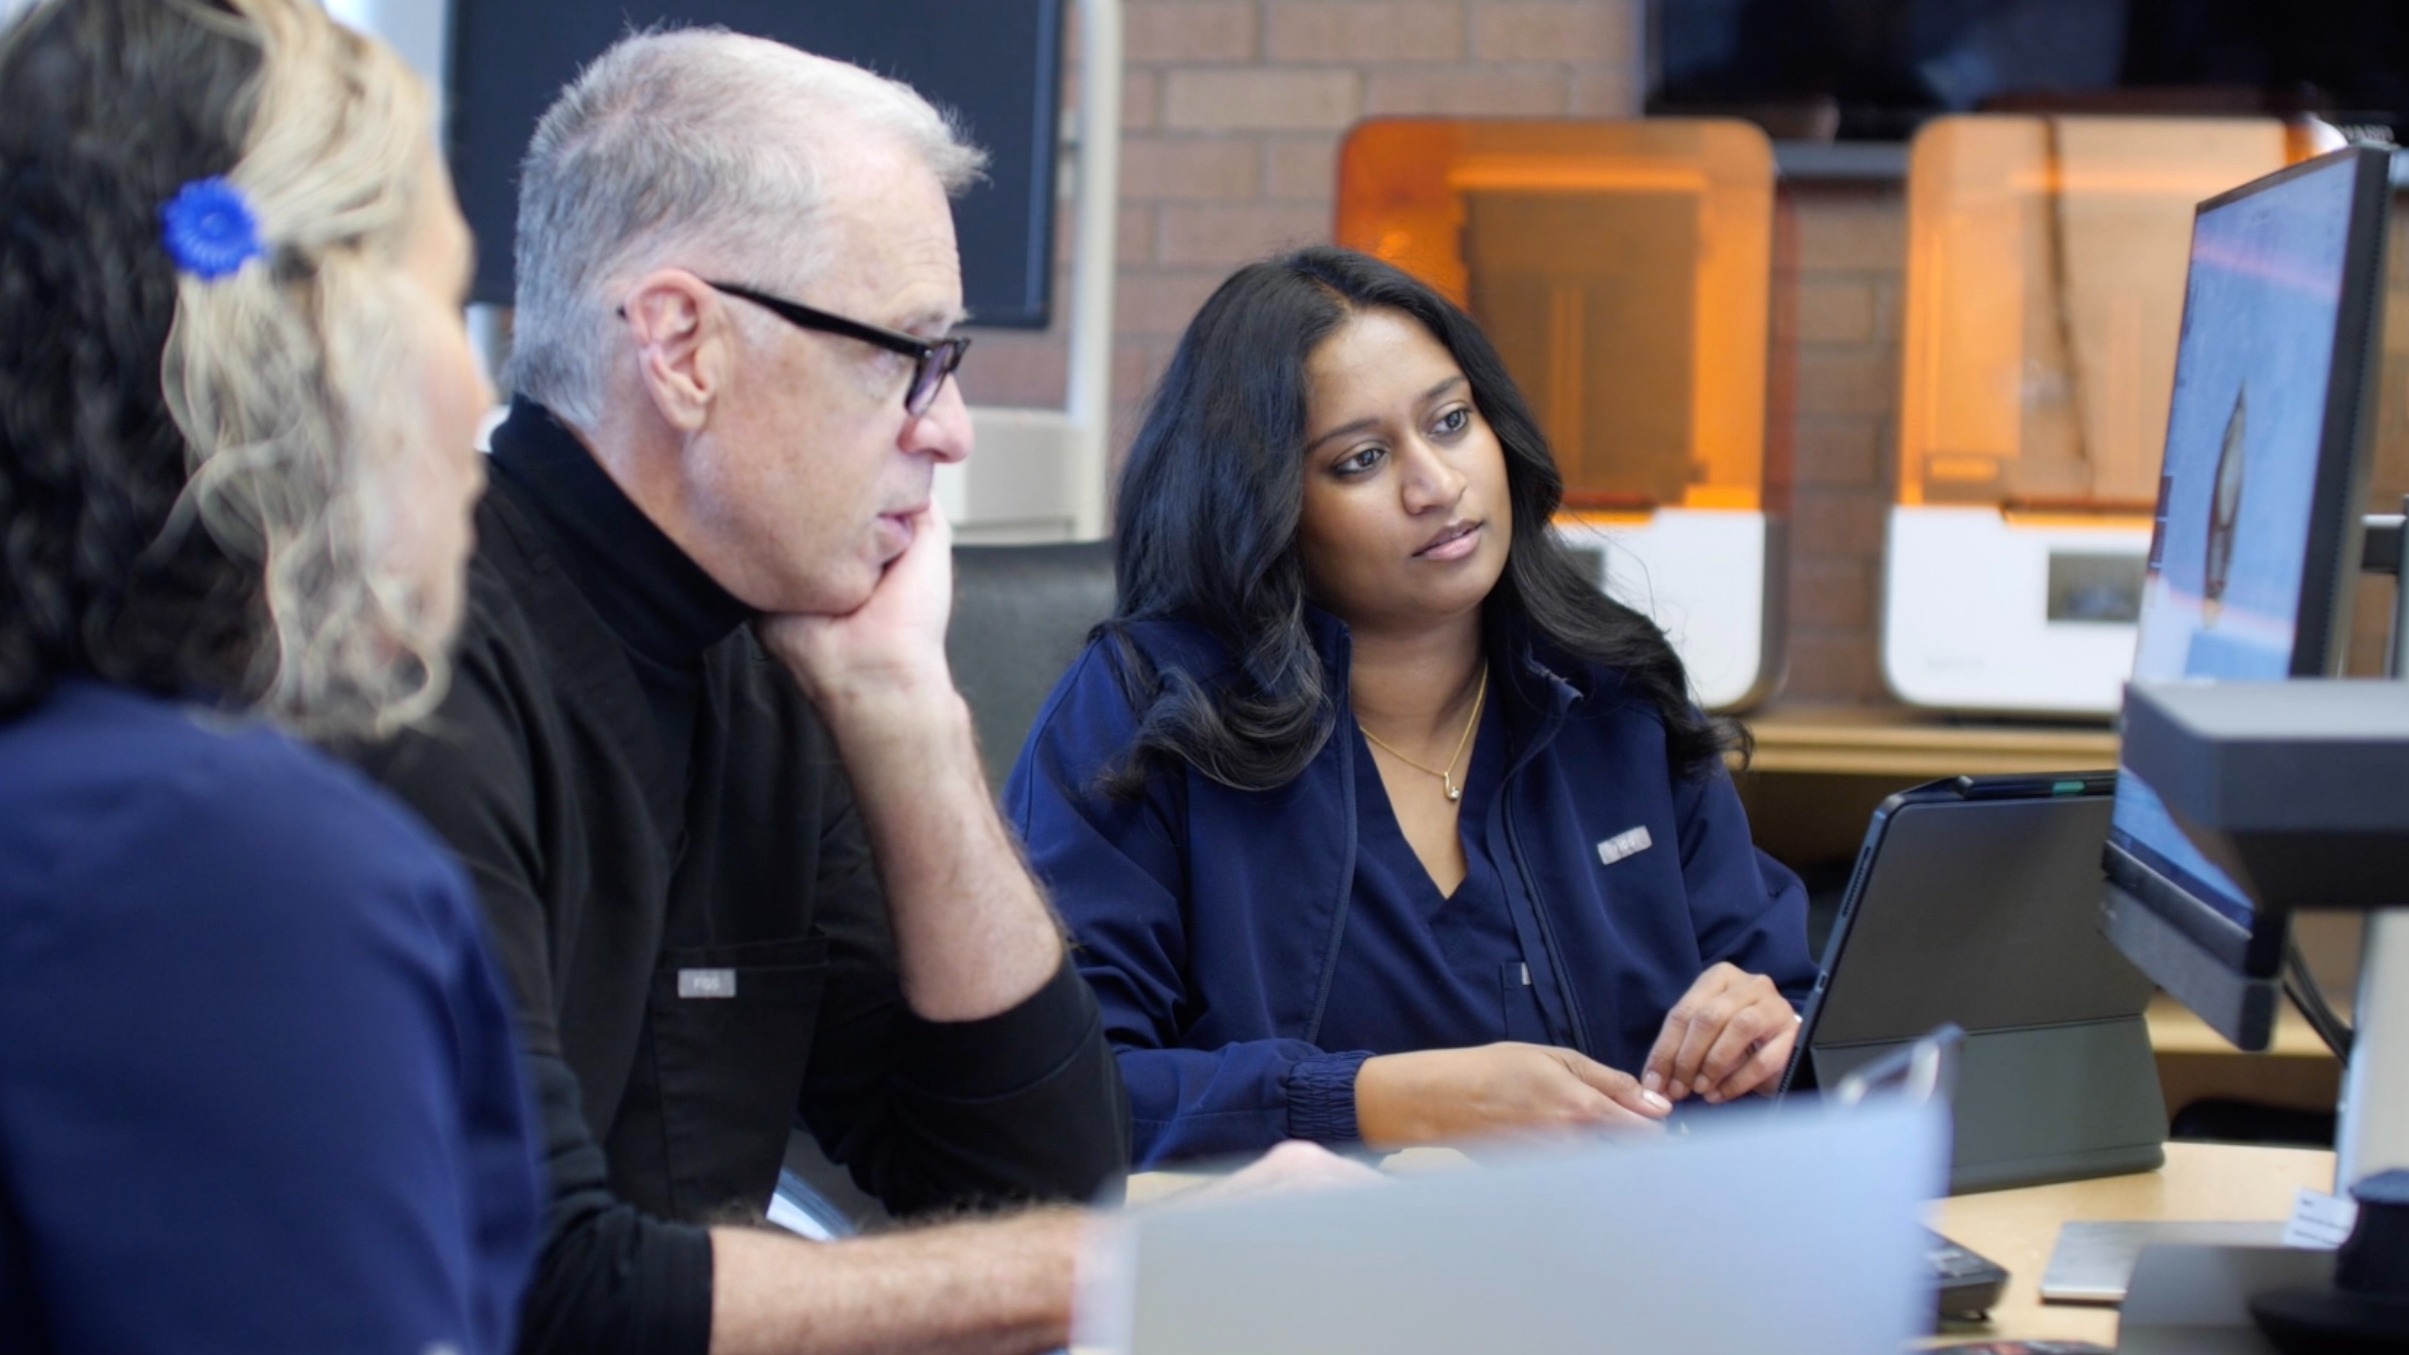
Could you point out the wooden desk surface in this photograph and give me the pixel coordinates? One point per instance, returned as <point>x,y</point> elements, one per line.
<point>2200,1182</point>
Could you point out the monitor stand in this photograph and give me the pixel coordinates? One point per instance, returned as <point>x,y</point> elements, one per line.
<point>2346,744</point>
<point>2197,1299</point>
<point>2373,1133</point>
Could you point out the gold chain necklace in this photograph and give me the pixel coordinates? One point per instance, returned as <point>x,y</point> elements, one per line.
<point>1445,774</point>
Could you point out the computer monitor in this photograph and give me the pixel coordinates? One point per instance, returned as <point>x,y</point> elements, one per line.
<point>2256,538</point>
<point>996,64</point>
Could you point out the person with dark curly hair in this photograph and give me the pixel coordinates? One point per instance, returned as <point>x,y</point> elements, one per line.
<point>1373,819</point>
<point>258,1087</point>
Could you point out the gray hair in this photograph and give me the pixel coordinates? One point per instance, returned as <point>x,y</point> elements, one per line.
<point>700,147</point>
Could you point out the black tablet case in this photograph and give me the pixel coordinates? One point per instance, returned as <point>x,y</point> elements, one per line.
<point>1977,901</point>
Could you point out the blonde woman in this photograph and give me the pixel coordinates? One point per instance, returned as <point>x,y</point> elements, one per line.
<point>257,1086</point>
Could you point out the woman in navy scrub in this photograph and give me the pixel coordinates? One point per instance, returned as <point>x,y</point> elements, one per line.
<point>1374,821</point>
<point>258,1085</point>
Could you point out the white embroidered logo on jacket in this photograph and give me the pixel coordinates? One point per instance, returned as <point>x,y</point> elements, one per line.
<point>1625,844</point>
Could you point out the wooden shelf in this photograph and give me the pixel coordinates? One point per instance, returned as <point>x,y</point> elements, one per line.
<point>2195,1063</point>
<point>1896,741</point>
<point>1819,771</point>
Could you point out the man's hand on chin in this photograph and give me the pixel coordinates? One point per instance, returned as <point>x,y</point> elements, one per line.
<point>973,937</point>
<point>891,649</point>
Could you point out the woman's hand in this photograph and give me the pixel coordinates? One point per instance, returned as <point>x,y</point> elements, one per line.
<point>1450,1095</point>
<point>1728,1036</point>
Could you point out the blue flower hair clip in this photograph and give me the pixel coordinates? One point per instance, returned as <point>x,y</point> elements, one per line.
<point>209,229</point>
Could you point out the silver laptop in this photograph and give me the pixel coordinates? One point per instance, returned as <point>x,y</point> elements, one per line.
<point>1792,1232</point>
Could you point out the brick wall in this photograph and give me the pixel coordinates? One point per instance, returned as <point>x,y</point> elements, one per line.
<point>1233,113</point>
<point>1847,276</point>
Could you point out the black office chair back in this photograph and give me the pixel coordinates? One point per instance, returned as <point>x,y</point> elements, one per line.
<point>1021,614</point>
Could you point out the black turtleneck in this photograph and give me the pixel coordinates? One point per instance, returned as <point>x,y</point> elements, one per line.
<point>654,599</point>
<point>694,925</point>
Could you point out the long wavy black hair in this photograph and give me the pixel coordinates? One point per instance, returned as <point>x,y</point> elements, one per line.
<point>1214,489</point>
<point>193,474</point>
<point>91,463</point>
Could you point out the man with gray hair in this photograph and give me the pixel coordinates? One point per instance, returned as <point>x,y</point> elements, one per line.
<point>704,757</point>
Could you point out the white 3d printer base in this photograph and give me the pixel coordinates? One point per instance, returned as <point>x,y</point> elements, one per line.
<point>1701,575</point>
<point>1965,617</point>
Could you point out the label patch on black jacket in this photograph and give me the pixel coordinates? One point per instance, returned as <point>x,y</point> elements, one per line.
<point>706,983</point>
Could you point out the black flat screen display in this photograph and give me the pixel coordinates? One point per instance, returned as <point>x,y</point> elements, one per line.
<point>1883,66</point>
<point>995,63</point>
<point>2258,498</point>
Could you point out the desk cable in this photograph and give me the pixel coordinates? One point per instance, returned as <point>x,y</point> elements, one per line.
<point>2301,986</point>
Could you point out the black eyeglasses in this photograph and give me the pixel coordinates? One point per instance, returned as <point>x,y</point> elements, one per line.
<point>934,361</point>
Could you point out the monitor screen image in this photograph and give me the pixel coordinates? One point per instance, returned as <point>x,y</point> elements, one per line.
<point>2258,498</point>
